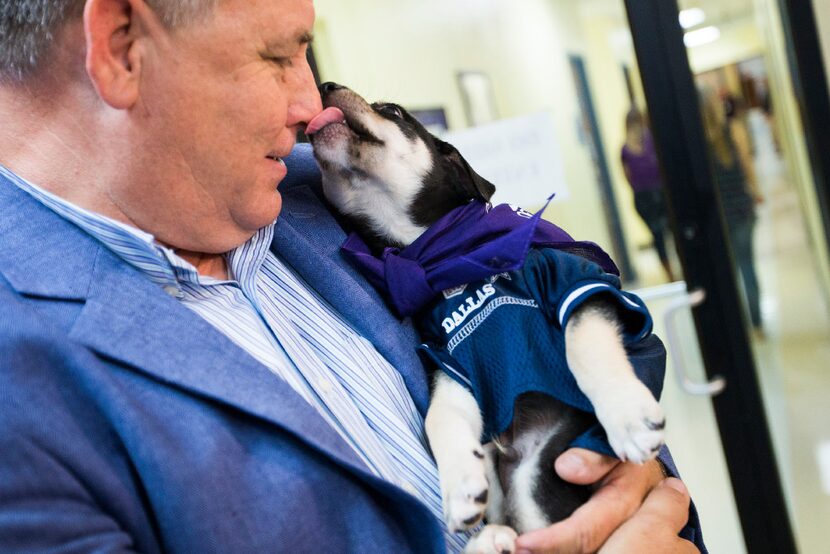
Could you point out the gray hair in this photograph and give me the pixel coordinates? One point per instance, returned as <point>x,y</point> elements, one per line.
<point>28,28</point>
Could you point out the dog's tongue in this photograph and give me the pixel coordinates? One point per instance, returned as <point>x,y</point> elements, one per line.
<point>327,116</point>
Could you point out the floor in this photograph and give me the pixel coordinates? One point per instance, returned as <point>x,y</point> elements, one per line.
<point>793,362</point>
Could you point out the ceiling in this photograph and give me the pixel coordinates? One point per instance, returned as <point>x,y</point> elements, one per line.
<point>720,11</point>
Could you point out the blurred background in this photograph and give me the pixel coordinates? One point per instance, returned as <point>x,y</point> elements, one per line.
<point>547,96</point>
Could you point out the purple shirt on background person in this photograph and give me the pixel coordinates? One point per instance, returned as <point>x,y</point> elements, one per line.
<point>643,171</point>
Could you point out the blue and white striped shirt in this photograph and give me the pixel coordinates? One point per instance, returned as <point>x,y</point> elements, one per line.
<point>267,310</point>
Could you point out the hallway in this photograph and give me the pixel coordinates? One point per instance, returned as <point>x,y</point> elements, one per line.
<point>793,362</point>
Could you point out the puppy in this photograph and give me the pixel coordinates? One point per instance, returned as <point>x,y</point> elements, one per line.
<point>413,199</point>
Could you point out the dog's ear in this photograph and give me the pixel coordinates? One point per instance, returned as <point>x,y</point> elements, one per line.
<point>471,182</point>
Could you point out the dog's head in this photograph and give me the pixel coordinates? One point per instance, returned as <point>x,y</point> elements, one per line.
<point>384,171</point>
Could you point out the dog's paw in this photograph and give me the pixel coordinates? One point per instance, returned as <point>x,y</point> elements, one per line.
<point>493,539</point>
<point>633,421</point>
<point>464,488</point>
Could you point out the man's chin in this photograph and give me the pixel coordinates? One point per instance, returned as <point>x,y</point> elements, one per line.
<point>277,207</point>
<point>273,211</point>
<point>266,214</point>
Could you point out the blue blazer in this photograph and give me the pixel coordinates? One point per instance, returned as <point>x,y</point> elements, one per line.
<point>127,422</point>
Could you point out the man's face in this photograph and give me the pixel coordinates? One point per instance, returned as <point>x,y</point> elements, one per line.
<point>220,101</point>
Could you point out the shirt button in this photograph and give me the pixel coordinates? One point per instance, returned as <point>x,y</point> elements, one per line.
<point>172,290</point>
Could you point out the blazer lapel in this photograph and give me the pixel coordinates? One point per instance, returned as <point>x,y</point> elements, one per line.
<point>308,238</point>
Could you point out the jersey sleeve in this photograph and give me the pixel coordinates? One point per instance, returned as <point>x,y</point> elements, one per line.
<point>563,282</point>
<point>442,360</point>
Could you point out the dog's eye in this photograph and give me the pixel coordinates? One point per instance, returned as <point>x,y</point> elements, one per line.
<point>393,110</point>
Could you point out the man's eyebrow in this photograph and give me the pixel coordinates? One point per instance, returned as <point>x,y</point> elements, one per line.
<point>301,39</point>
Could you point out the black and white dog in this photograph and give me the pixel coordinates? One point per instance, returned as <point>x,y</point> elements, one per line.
<point>392,180</point>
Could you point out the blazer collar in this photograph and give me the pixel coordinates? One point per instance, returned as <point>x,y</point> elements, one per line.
<point>129,319</point>
<point>35,238</point>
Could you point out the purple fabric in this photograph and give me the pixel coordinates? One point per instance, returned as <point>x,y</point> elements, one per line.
<point>469,243</point>
<point>643,170</point>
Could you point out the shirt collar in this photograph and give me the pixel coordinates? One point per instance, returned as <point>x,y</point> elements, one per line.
<point>141,250</point>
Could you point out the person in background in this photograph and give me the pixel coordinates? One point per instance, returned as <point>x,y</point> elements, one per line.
<point>639,160</point>
<point>739,193</point>
<point>187,363</point>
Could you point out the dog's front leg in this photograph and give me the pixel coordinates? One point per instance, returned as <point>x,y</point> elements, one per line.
<point>494,538</point>
<point>631,417</point>
<point>453,427</point>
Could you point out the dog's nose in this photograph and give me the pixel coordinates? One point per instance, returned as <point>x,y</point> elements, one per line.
<point>329,87</point>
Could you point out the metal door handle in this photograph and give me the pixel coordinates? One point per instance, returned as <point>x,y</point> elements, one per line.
<point>688,300</point>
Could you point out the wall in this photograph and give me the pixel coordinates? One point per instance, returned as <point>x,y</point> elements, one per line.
<point>410,50</point>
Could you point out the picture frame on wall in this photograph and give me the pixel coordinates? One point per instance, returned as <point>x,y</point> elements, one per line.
<point>477,97</point>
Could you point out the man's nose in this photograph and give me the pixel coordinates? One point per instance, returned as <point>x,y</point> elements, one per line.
<point>306,102</point>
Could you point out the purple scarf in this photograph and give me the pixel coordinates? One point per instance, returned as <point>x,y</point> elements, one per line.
<point>472,242</point>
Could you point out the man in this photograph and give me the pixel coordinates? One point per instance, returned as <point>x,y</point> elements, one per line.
<point>179,373</point>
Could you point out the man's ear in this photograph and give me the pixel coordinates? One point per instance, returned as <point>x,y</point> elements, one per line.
<point>471,182</point>
<point>113,56</point>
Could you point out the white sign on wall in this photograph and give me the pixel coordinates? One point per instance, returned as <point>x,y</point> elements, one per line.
<point>521,156</point>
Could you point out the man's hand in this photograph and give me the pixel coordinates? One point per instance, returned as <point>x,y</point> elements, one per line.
<point>619,496</point>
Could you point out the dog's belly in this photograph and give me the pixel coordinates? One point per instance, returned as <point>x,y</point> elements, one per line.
<point>534,495</point>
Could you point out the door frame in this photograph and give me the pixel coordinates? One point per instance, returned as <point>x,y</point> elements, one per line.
<point>600,162</point>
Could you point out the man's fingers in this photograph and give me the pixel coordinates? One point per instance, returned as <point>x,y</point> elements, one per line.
<point>583,467</point>
<point>618,497</point>
<point>654,528</point>
<point>667,505</point>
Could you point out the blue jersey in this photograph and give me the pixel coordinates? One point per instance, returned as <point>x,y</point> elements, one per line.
<point>504,336</point>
